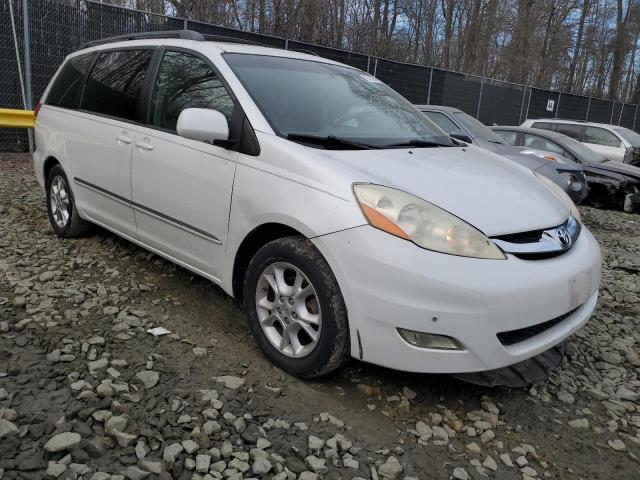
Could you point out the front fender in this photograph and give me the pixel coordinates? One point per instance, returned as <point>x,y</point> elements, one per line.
<point>261,197</point>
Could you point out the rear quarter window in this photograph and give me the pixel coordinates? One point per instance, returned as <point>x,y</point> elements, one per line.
<point>67,87</point>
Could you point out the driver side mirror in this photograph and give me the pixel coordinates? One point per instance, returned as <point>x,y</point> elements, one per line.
<point>459,134</point>
<point>203,124</point>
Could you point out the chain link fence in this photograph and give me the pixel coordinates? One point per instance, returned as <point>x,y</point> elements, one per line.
<point>58,27</point>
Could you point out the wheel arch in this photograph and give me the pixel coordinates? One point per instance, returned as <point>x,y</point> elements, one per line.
<point>47,165</point>
<point>252,242</point>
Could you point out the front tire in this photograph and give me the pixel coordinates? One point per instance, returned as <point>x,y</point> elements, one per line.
<point>61,206</point>
<point>296,311</point>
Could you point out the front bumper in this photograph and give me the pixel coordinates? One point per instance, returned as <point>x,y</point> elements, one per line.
<point>632,203</point>
<point>37,168</point>
<point>389,283</point>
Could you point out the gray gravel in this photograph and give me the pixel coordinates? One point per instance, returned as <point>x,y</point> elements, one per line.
<point>87,393</point>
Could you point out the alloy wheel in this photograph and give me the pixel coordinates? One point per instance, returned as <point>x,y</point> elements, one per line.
<point>288,309</point>
<point>59,201</point>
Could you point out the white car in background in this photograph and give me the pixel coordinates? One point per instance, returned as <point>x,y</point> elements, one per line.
<point>615,143</point>
<point>344,231</point>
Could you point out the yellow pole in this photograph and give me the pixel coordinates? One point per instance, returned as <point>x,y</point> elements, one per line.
<point>11,118</point>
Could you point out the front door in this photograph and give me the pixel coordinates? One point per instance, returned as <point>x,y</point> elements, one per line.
<point>182,188</point>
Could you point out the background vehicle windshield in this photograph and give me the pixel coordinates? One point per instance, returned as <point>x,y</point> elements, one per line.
<point>314,98</point>
<point>584,153</point>
<point>629,135</point>
<point>477,128</point>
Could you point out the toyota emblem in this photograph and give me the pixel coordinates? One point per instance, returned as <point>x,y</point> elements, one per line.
<point>563,237</point>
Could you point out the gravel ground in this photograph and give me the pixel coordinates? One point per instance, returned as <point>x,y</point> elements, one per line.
<point>86,393</point>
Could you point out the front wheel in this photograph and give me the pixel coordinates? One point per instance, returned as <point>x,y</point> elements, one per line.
<point>296,311</point>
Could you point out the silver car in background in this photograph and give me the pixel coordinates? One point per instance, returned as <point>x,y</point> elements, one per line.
<point>613,142</point>
<point>462,126</point>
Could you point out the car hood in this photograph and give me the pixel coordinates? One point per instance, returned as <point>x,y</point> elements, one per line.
<point>482,188</point>
<point>611,166</point>
<point>533,162</point>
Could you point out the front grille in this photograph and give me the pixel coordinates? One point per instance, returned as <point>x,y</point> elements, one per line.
<point>540,244</point>
<point>538,256</point>
<point>512,337</point>
<point>524,237</point>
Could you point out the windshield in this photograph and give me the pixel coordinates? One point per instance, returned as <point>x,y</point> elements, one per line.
<point>477,128</point>
<point>629,135</point>
<point>584,153</point>
<point>302,98</point>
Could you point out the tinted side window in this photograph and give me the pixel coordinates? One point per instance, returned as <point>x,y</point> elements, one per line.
<point>600,136</point>
<point>569,130</point>
<point>186,81</point>
<point>67,87</point>
<point>115,83</point>
<point>442,121</point>
<point>539,143</point>
<point>542,125</point>
<point>510,138</point>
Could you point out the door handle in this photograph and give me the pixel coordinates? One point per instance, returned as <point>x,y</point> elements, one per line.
<point>144,145</point>
<point>123,138</point>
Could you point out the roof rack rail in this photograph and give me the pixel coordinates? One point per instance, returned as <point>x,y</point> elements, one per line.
<point>562,119</point>
<point>181,34</point>
<point>225,38</point>
<point>303,50</point>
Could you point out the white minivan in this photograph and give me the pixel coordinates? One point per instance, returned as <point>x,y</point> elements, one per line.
<point>346,222</point>
<point>613,142</point>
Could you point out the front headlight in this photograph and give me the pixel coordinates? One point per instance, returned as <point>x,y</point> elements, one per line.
<point>573,181</point>
<point>561,194</point>
<point>409,217</point>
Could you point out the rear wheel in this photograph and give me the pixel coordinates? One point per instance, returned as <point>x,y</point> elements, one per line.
<point>61,206</point>
<point>296,311</point>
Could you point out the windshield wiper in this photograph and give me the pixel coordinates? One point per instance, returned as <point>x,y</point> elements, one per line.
<point>416,142</point>
<point>329,141</point>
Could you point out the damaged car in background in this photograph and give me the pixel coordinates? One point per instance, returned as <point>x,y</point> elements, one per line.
<point>613,142</point>
<point>612,184</point>
<point>462,126</point>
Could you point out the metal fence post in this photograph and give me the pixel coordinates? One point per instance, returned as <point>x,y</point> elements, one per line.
<point>620,116</point>
<point>429,90</point>
<point>27,65</point>
<point>634,118</point>
<point>375,67</point>
<point>555,115</point>
<point>480,98</point>
<point>613,107</point>
<point>185,24</point>
<point>528,102</point>
<point>586,117</point>
<point>286,44</point>
<point>524,95</point>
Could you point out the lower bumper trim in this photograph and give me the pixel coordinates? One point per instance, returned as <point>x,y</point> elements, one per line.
<point>534,370</point>
<point>512,337</point>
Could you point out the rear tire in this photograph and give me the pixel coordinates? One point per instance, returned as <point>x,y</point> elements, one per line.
<point>61,206</point>
<point>296,311</point>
